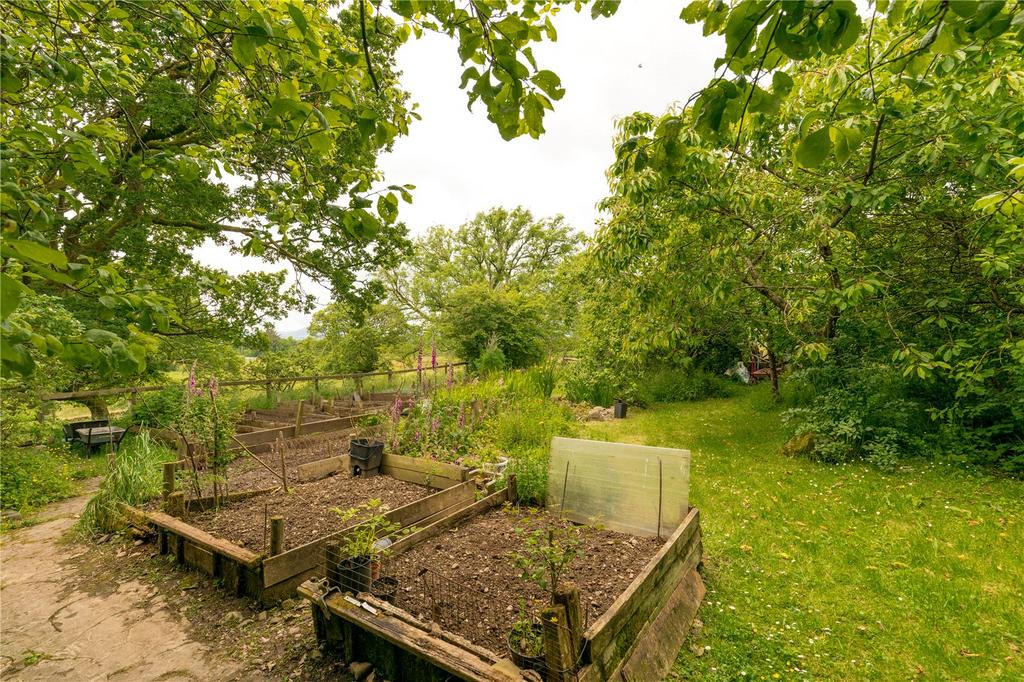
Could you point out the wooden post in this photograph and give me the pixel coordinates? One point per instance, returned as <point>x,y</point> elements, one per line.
<point>176,504</point>
<point>558,658</point>
<point>568,597</point>
<point>513,489</point>
<point>280,453</point>
<point>316,390</point>
<point>276,535</point>
<point>332,554</point>
<point>270,390</point>
<point>359,388</point>
<point>168,479</point>
<point>298,416</point>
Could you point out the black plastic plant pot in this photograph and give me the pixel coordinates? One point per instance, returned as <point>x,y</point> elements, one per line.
<point>366,454</point>
<point>527,660</point>
<point>620,409</point>
<point>385,589</point>
<point>355,574</point>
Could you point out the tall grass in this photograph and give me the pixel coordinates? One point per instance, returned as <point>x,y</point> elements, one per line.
<point>135,477</point>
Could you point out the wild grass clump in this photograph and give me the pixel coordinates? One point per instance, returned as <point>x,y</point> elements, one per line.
<point>135,477</point>
<point>34,476</point>
<point>676,385</point>
<point>531,471</point>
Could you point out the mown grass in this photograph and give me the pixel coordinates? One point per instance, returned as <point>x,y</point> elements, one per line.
<point>840,572</point>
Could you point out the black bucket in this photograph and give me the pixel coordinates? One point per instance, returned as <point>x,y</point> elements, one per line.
<point>385,589</point>
<point>620,409</point>
<point>355,574</point>
<point>366,456</point>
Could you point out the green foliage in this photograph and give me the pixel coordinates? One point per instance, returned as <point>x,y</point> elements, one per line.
<point>491,359</point>
<point>34,476</point>
<point>135,477</point>
<point>363,539</point>
<point>670,385</point>
<point>351,339</point>
<point>546,553</point>
<point>116,153</point>
<point>544,378</point>
<point>530,467</point>
<point>587,382</point>
<point>480,317</point>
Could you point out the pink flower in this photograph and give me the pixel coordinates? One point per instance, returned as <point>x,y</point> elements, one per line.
<point>433,355</point>
<point>433,425</point>
<point>451,375</point>
<point>396,409</point>
<point>462,415</point>
<point>213,387</point>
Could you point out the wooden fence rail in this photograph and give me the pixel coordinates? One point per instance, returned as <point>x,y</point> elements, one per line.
<point>268,383</point>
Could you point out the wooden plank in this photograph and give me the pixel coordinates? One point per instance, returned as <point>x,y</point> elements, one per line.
<point>322,468</point>
<point>309,555</point>
<point>615,632</point>
<point>480,506</point>
<point>657,648</point>
<point>450,658</point>
<point>204,539</point>
<point>199,557</point>
<point>204,503</point>
<point>322,426</point>
<point>630,488</point>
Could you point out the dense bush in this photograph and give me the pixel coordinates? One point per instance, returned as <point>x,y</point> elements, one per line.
<point>531,471</point>
<point>587,382</point>
<point>858,413</point>
<point>478,317</point>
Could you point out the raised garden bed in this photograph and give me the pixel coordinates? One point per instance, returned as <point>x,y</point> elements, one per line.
<point>638,596</point>
<point>225,538</point>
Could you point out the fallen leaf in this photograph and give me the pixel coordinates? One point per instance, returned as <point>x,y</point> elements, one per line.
<point>968,654</point>
<point>747,548</point>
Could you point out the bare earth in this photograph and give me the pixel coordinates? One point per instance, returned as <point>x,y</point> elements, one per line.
<point>51,629</point>
<point>117,610</point>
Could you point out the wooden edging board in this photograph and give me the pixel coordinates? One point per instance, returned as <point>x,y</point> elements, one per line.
<point>428,472</point>
<point>638,637</point>
<point>320,426</point>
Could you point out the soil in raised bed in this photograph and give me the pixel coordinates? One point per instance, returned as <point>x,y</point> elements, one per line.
<point>245,473</point>
<point>472,587</point>
<point>306,508</point>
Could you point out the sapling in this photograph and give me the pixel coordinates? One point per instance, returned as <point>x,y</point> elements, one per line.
<point>546,554</point>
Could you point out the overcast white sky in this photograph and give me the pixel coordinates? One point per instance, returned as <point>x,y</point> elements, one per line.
<point>642,59</point>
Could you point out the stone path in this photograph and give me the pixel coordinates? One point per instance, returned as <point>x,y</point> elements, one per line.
<point>51,629</point>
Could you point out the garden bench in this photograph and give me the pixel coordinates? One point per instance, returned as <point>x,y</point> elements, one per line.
<point>93,434</point>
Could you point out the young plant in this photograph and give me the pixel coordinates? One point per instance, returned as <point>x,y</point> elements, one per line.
<point>546,554</point>
<point>363,539</point>
<point>526,637</point>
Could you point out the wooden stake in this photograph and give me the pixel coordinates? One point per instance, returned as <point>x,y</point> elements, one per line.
<point>659,498</point>
<point>568,596</point>
<point>513,489</point>
<point>169,468</point>
<point>565,484</point>
<point>298,417</point>
<point>276,535</point>
<point>270,391</point>
<point>176,504</point>
<point>280,452</point>
<point>558,656</point>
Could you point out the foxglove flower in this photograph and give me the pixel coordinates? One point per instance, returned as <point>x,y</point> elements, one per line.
<point>433,355</point>
<point>213,387</point>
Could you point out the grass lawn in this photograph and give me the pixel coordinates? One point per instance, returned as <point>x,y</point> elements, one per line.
<point>840,572</point>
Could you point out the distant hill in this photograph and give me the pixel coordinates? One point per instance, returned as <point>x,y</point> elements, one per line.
<point>297,334</point>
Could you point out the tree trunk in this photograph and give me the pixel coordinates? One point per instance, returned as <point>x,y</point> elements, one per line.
<point>773,370</point>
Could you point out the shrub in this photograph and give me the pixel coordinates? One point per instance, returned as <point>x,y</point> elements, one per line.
<point>491,360</point>
<point>585,382</point>
<point>136,477</point>
<point>683,384</point>
<point>543,378</point>
<point>859,413</point>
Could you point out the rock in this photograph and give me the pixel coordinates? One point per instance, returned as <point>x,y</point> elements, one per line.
<point>360,670</point>
<point>261,616</point>
<point>800,445</point>
<point>288,604</point>
<point>232,618</point>
<point>599,414</point>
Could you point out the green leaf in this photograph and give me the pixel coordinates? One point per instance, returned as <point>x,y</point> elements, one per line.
<point>243,48</point>
<point>37,253</point>
<point>550,83</point>
<point>10,295</point>
<point>814,149</point>
<point>298,17</point>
